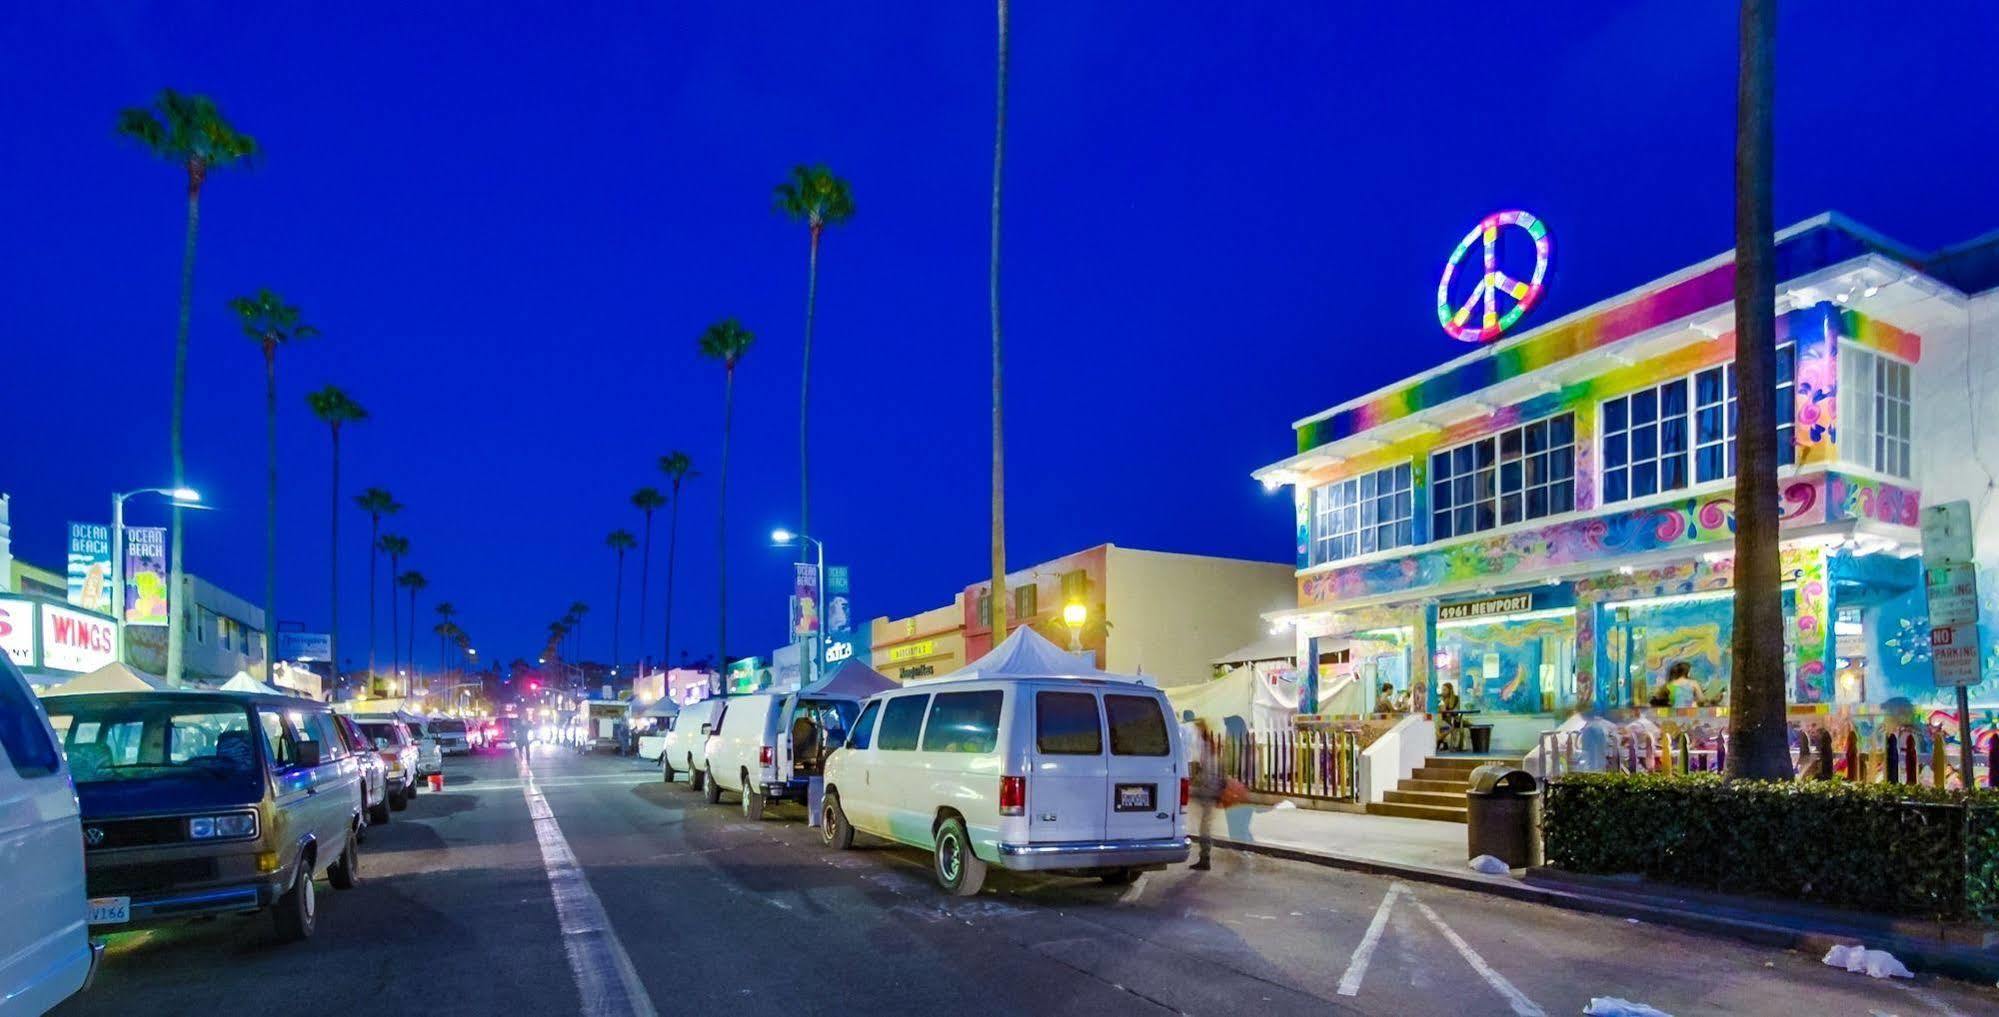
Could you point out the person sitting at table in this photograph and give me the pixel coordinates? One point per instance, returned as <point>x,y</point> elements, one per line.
<point>1452,736</point>
<point>1384,701</point>
<point>1681,688</point>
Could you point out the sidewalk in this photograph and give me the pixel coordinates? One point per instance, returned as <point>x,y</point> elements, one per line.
<point>1432,852</point>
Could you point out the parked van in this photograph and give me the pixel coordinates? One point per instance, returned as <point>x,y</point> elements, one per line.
<point>1084,776</point>
<point>398,749</point>
<point>46,954</point>
<point>685,752</point>
<point>198,803</point>
<point>754,756</point>
<point>429,755</point>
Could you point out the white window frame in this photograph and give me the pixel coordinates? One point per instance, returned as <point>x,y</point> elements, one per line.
<point>1876,423</point>
<point>1489,487</point>
<point>1347,523</point>
<point>1787,422</point>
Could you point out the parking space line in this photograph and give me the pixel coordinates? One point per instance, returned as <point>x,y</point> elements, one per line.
<point>605,977</point>
<point>1521,1004</point>
<point>1357,967</point>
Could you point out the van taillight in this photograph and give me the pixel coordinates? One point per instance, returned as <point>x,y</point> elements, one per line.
<point>1183,794</point>
<point>763,755</point>
<point>1013,796</point>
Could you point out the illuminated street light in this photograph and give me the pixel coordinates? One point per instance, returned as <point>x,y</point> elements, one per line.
<point>179,496</point>
<point>783,538</point>
<point>1074,614</point>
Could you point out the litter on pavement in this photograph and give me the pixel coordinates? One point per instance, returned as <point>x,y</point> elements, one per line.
<point>1490,866</point>
<point>1611,1006</point>
<point>1874,963</point>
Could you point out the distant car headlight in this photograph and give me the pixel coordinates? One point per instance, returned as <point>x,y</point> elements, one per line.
<point>227,826</point>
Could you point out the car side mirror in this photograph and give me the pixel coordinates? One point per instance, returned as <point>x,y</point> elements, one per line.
<point>308,754</point>
<point>705,727</point>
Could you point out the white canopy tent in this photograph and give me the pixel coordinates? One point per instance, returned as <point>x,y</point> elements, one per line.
<point>662,707</point>
<point>849,678</point>
<point>242,682</point>
<point>1029,654</point>
<point>112,677</point>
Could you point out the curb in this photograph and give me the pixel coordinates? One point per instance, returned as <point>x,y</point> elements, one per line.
<point>1963,963</point>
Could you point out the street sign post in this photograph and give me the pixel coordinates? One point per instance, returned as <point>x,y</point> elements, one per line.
<point>1950,578</point>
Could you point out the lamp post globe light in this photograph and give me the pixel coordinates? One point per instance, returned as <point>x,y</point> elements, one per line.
<point>1075,614</point>
<point>176,495</point>
<point>782,537</point>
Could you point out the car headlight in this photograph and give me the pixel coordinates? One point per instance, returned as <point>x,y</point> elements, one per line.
<point>227,826</point>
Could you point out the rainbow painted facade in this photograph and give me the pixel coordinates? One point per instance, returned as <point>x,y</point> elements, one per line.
<point>1548,521</point>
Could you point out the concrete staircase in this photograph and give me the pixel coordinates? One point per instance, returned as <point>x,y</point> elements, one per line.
<point>1436,790</point>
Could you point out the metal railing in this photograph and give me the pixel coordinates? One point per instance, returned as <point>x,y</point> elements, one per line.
<point>1305,764</point>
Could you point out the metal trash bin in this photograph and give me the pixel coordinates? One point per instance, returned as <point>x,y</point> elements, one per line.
<point>1481,738</point>
<point>1503,815</point>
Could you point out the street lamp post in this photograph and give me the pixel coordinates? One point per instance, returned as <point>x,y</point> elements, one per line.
<point>783,538</point>
<point>179,496</point>
<point>1075,614</point>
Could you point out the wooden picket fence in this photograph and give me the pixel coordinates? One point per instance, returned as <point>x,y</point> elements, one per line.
<point>1304,764</point>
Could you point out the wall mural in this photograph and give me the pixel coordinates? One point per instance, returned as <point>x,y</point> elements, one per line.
<point>1850,497</point>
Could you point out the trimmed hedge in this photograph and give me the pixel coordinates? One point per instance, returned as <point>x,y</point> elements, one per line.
<point>1874,847</point>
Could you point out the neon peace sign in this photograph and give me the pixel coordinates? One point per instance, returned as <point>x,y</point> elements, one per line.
<point>1494,283</point>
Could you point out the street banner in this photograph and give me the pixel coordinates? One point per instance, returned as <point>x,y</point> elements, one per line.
<point>145,575</point>
<point>90,566</point>
<point>839,600</point>
<point>805,601</point>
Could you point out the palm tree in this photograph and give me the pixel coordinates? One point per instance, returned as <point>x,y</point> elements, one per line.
<point>678,467</point>
<point>998,609</point>
<point>414,582</point>
<point>816,197</point>
<point>270,323</point>
<point>395,547</point>
<point>1757,725</point>
<point>574,619</point>
<point>377,503</point>
<point>335,408</point>
<point>726,340</point>
<point>619,541</point>
<point>188,131</point>
<point>647,500</point>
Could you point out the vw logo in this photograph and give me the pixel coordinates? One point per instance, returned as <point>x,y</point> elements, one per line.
<point>93,835</point>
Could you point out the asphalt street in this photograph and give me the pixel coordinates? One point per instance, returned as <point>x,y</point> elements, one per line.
<point>589,886</point>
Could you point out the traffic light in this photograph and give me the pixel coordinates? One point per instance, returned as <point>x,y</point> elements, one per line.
<point>534,686</point>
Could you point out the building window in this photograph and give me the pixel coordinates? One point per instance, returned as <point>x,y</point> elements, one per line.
<point>1361,515</point>
<point>1026,601</point>
<point>1522,473</point>
<point>1647,434</point>
<point>1874,411</point>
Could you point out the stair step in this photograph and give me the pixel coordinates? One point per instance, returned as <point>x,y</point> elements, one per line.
<point>1467,762</point>
<point>1435,812</point>
<point>1457,776</point>
<point>1442,799</point>
<point>1457,787</point>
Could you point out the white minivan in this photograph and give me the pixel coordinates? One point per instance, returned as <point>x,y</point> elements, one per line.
<point>1077,775</point>
<point>685,751</point>
<point>770,745</point>
<point>46,954</point>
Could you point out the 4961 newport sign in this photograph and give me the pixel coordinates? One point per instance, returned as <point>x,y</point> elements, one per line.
<point>1512,603</point>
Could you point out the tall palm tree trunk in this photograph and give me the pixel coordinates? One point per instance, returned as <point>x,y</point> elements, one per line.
<point>1756,715</point>
<point>374,556</point>
<point>618,615</point>
<point>333,579</point>
<point>395,626</point>
<point>998,609</point>
<point>805,400</point>
<point>645,580</point>
<point>412,657</point>
<point>270,506</point>
<point>672,546</point>
<point>722,528</point>
<point>176,604</point>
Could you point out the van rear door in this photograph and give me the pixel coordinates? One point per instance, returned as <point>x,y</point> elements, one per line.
<point>1144,781</point>
<point>1066,796</point>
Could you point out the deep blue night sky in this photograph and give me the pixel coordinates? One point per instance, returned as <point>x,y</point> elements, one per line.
<point>512,226</point>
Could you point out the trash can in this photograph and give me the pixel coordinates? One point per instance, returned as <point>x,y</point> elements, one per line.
<point>1503,813</point>
<point>1481,738</point>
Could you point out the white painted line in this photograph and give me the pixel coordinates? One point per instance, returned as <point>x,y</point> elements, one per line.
<point>1927,999</point>
<point>605,978</point>
<point>1521,1004</point>
<point>1357,967</point>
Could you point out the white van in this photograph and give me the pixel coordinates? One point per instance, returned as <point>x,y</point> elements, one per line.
<point>1079,775</point>
<point>685,751</point>
<point>770,745</point>
<point>46,954</point>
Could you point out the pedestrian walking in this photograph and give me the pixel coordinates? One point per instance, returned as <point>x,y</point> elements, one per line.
<point>1204,780</point>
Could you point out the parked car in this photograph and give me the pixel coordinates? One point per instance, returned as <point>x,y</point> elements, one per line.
<point>452,737</point>
<point>199,803</point>
<point>46,954</point>
<point>652,743</point>
<point>685,751</point>
<point>429,757</point>
<point>753,755</point>
<point>374,772</point>
<point>1084,776</point>
<point>399,756</point>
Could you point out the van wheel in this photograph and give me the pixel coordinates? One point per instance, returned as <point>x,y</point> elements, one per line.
<point>1119,877</point>
<point>665,770</point>
<point>696,780</point>
<point>378,813</point>
<point>346,870</point>
<point>834,829</point>
<point>753,803</point>
<point>399,800</point>
<point>711,790</point>
<point>297,912</point>
<point>959,871</point>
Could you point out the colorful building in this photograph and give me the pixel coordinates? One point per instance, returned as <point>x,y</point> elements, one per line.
<point>1547,521</point>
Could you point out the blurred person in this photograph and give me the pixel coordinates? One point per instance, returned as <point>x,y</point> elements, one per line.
<point>1204,779</point>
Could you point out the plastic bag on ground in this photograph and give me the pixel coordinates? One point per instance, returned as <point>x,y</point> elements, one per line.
<point>1861,960</point>
<point>1611,1006</point>
<point>1490,866</point>
<point>1285,804</point>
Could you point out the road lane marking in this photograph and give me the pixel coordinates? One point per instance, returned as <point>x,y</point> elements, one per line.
<point>605,978</point>
<point>1521,1004</point>
<point>1927,999</point>
<point>1357,967</point>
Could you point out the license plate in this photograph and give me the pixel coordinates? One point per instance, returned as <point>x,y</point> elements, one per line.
<point>1136,797</point>
<point>110,910</point>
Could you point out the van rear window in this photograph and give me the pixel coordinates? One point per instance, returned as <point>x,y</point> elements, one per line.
<point>1137,726</point>
<point>964,722</point>
<point>1066,724</point>
<point>902,722</point>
